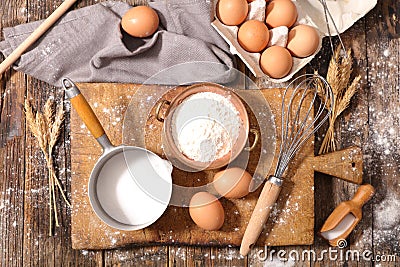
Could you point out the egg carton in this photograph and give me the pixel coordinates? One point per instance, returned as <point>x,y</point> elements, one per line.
<point>310,12</point>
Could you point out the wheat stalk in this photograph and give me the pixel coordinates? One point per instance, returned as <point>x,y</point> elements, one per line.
<point>32,119</point>
<point>49,111</point>
<point>46,128</point>
<point>54,135</point>
<point>56,127</point>
<point>338,76</point>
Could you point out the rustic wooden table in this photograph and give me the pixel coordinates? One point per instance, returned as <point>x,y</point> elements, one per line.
<point>371,122</point>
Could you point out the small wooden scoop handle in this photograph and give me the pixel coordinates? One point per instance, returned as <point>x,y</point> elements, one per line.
<point>83,108</point>
<point>36,34</point>
<point>363,194</point>
<point>260,215</point>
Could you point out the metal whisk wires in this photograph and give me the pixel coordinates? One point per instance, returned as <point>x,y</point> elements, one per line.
<point>298,123</point>
<point>328,16</point>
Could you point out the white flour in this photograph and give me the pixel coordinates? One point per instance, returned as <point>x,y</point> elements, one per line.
<point>341,228</point>
<point>205,126</point>
<point>386,213</point>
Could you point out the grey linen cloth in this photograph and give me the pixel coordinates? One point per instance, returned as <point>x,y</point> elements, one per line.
<point>88,45</point>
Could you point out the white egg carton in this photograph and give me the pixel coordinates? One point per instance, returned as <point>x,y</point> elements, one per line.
<point>310,12</point>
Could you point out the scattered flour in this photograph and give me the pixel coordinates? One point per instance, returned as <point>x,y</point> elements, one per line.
<point>279,263</point>
<point>386,212</point>
<point>205,126</point>
<point>386,53</point>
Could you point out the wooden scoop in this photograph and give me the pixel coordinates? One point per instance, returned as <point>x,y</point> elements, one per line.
<point>346,216</point>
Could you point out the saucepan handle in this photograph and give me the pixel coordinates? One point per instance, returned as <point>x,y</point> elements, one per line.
<point>85,112</point>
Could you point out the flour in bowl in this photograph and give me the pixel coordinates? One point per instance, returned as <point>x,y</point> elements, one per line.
<point>205,126</point>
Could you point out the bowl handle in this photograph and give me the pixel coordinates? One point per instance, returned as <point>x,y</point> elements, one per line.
<point>158,109</point>
<point>256,139</point>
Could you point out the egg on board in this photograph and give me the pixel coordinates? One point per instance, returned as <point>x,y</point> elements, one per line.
<point>232,182</point>
<point>280,13</point>
<point>276,62</point>
<point>232,12</point>
<point>253,36</point>
<point>140,21</point>
<point>303,41</point>
<point>206,211</point>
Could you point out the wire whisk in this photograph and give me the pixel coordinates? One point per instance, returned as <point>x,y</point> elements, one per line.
<point>328,16</point>
<point>298,122</point>
<point>306,105</point>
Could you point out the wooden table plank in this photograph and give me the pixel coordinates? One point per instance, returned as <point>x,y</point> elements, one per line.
<point>351,129</point>
<point>384,123</point>
<point>11,206</point>
<point>39,248</point>
<point>12,151</point>
<point>156,256</point>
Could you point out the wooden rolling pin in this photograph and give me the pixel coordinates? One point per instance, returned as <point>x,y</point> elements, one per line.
<point>35,35</point>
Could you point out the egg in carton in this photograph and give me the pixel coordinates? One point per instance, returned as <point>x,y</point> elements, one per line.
<point>341,16</point>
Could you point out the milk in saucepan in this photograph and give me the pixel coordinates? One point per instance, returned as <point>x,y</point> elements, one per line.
<point>132,187</point>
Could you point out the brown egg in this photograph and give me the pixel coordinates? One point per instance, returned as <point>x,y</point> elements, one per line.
<point>232,182</point>
<point>303,41</point>
<point>206,211</point>
<point>232,12</point>
<point>253,36</point>
<point>276,62</point>
<point>140,21</point>
<point>280,13</point>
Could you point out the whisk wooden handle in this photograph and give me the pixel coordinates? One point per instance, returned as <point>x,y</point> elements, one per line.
<point>260,215</point>
<point>36,34</point>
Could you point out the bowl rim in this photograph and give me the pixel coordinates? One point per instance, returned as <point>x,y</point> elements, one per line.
<point>168,140</point>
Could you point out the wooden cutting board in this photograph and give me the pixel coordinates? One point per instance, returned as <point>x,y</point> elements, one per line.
<point>291,222</point>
